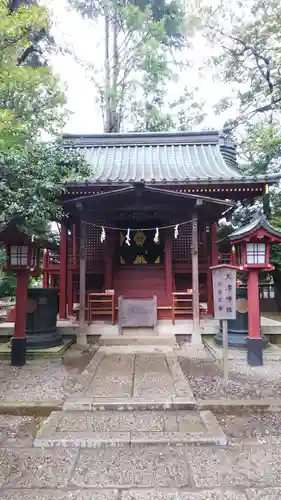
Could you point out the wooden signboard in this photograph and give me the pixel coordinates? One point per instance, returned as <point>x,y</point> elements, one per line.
<point>136,313</point>
<point>224,290</point>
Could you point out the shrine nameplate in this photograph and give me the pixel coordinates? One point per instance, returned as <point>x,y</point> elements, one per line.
<point>136,313</point>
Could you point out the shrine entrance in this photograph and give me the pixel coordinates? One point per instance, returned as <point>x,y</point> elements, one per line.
<point>140,246</point>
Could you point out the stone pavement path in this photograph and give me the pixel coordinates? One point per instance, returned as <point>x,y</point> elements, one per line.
<point>117,390</point>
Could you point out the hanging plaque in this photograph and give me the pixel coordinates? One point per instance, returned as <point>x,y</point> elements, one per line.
<point>224,292</point>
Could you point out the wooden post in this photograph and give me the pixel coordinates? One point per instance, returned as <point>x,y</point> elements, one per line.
<point>210,300</point>
<point>82,337</point>
<point>168,267</point>
<point>45,267</point>
<point>225,350</point>
<point>196,335</point>
<point>52,281</point>
<point>255,342</point>
<point>18,350</point>
<point>108,264</point>
<point>63,270</point>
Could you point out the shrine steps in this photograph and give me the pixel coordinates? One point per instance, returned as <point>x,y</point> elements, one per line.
<point>99,428</point>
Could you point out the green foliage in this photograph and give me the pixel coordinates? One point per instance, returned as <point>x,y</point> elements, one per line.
<point>32,184</point>
<point>31,97</point>
<point>247,43</point>
<point>141,40</point>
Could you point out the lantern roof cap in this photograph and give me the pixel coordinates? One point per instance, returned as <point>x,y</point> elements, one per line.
<point>12,235</point>
<point>260,221</point>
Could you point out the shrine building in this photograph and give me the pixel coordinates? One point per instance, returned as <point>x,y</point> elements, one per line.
<point>144,224</point>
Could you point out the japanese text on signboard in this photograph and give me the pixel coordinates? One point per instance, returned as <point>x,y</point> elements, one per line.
<point>224,289</point>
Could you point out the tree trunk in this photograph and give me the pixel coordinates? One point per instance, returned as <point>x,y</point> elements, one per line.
<point>114,116</point>
<point>107,124</point>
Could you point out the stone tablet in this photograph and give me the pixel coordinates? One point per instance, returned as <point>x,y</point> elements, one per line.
<point>136,313</point>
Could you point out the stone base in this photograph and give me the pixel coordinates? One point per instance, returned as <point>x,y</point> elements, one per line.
<point>42,340</point>
<point>52,352</point>
<point>18,352</point>
<point>237,340</point>
<point>255,347</point>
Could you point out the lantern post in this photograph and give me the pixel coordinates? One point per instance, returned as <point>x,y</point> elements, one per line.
<point>23,258</point>
<point>252,243</point>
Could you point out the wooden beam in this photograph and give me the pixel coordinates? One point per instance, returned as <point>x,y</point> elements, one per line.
<point>82,337</point>
<point>196,335</point>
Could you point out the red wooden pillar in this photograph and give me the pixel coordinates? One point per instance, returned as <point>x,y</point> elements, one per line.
<point>69,293</point>
<point>254,341</point>
<point>18,350</point>
<point>196,335</point>
<point>168,266</point>
<point>215,252</point>
<point>74,249</point>
<point>45,267</point>
<point>210,300</point>
<point>52,281</point>
<point>63,271</point>
<point>208,259</point>
<point>82,337</point>
<point>213,258</point>
<point>253,305</point>
<point>108,262</point>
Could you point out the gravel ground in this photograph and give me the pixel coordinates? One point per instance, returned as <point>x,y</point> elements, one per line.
<point>18,430</point>
<point>42,380</point>
<point>244,382</point>
<point>250,425</point>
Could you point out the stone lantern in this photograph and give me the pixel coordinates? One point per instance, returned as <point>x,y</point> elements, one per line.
<point>252,247</point>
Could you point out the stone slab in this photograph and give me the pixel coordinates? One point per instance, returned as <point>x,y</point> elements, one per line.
<point>216,466</point>
<point>184,495</point>
<point>113,377</point>
<point>134,377</point>
<point>264,493</point>
<point>152,376</point>
<point>34,468</point>
<point>140,494</point>
<point>124,404</point>
<point>58,495</point>
<point>89,429</point>
<point>130,466</point>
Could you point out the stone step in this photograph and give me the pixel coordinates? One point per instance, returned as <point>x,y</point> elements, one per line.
<point>128,404</point>
<point>90,429</point>
<point>137,340</point>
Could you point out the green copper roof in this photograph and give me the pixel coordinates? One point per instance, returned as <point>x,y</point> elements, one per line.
<point>260,221</point>
<point>159,157</point>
